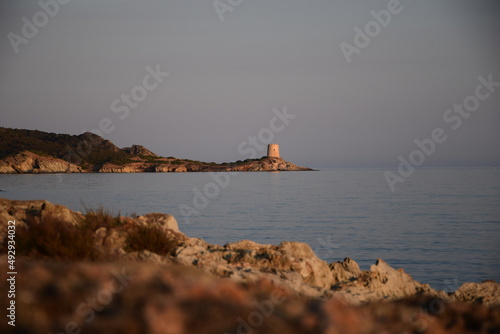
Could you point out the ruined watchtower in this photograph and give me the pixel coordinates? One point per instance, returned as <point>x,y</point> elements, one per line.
<point>273,151</point>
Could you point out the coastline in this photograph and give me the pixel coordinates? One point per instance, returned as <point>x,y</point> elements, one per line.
<point>28,162</point>
<point>38,152</point>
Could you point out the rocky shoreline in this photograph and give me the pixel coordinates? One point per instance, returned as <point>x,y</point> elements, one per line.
<point>28,162</point>
<point>38,152</point>
<point>176,284</point>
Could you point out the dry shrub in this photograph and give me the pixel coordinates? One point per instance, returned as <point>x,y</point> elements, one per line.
<point>95,219</point>
<point>48,236</point>
<point>151,238</point>
<point>51,237</point>
<point>54,238</point>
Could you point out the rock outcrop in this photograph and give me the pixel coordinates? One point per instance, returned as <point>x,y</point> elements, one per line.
<point>139,150</point>
<point>22,211</point>
<point>195,287</point>
<point>128,168</point>
<point>163,221</point>
<point>381,282</point>
<point>268,164</point>
<point>344,271</point>
<point>486,292</point>
<point>29,162</point>
<point>163,168</point>
<point>290,264</point>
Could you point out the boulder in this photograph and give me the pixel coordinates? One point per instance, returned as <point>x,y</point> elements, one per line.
<point>161,220</point>
<point>382,282</point>
<point>487,292</point>
<point>22,211</point>
<point>6,167</point>
<point>345,270</point>
<point>313,270</point>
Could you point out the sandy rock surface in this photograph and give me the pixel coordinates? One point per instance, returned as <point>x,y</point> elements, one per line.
<point>192,286</point>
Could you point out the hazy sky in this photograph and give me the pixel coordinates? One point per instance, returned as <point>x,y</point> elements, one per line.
<point>226,76</point>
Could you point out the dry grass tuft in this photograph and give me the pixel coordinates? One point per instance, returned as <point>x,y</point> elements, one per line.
<point>49,236</point>
<point>151,238</point>
<point>53,238</point>
<point>95,219</point>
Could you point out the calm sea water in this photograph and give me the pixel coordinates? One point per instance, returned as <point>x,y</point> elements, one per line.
<point>442,225</point>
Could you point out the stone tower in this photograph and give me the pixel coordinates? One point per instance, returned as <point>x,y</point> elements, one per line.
<point>273,151</point>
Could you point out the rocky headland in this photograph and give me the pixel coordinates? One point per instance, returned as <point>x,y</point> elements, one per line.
<point>95,272</point>
<point>38,152</point>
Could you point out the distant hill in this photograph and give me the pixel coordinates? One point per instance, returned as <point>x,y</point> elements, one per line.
<point>87,148</point>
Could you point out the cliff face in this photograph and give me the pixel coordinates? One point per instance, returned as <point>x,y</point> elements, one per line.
<point>138,285</point>
<point>28,162</point>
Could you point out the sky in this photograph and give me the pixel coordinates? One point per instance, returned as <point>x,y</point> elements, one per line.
<point>335,83</point>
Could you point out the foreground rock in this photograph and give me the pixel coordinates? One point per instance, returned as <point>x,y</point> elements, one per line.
<point>382,282</point>
<point>486,292</point>
<point>292,265</point>
<point>177,284</point>
<point>131,297</point>
<point>23,211</point>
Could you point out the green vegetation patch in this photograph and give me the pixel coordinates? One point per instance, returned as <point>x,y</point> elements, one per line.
<point>115,157</point>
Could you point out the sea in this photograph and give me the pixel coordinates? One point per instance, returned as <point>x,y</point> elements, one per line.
<point>442,225</point>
